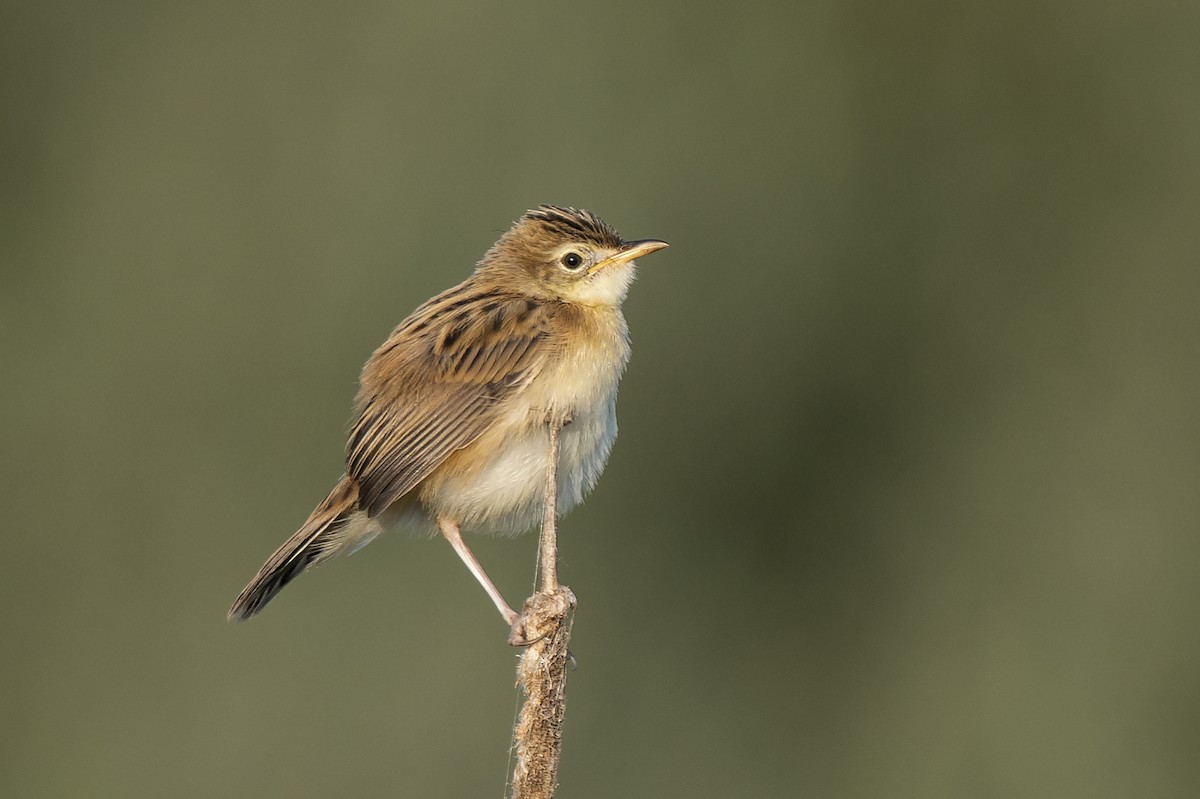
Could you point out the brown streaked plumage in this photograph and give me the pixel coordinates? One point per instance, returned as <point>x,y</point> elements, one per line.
<point>453,408</point>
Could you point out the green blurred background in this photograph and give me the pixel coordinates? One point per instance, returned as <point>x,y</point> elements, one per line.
<point>905,501</point>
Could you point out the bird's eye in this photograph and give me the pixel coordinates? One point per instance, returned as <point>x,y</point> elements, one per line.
<point>572,260</point>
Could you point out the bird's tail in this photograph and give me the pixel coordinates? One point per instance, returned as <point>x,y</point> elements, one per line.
<point>335,525</point>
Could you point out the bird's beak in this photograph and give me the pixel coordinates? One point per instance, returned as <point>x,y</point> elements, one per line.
<point>628,252</point>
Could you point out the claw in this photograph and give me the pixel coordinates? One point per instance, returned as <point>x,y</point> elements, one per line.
<point>518,636</point>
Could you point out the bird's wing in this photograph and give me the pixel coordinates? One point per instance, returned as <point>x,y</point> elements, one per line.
<point>436,385</point>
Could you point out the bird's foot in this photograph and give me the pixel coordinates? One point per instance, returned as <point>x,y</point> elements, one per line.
<point>518,634</point>
<point>562,419</point>
<point>543,613</point>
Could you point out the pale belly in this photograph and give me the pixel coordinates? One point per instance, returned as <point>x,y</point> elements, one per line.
<point>505,493</point>
<point>497,484</point>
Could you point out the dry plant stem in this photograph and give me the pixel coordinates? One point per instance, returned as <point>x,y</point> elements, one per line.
<point>549,541</point>
<point>542,671</point>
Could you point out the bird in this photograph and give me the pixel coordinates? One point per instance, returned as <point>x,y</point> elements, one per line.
<point>453,410</point>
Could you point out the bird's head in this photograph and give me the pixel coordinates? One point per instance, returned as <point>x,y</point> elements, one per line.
<point>566,254</point>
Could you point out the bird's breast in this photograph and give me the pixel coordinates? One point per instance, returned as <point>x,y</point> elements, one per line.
<point>497,483</point>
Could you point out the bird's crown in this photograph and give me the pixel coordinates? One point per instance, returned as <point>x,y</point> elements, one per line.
<point>574,224</point>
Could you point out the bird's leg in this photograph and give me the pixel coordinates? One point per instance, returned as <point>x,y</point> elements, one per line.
<point>548,544</point>
<point>452,533</point>
<point>551,590</point>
